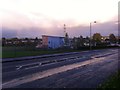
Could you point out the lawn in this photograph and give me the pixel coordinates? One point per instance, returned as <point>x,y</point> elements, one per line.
<point>22,51</point>
<point>12,52</point>
<point>112,82</point>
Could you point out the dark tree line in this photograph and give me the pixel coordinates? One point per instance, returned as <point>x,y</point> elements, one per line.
<point>20,42</point>
<point>96,40</point>
<point>77,42</point>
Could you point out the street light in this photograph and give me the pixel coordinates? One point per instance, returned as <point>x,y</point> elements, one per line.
<point>91,38</point>
<point>91,33</point>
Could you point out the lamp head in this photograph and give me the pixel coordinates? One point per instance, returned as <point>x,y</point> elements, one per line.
<point>95,22</point>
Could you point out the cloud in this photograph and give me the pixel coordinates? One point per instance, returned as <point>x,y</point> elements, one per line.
<point>104,28</point>
<point>15,20</point>
<point>8,33</point>
<point>18,24</point>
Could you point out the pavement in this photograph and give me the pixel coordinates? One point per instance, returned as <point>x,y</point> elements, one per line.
<point>86,69</point>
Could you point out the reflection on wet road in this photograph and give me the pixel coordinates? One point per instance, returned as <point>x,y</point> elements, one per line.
<point>78,71</point>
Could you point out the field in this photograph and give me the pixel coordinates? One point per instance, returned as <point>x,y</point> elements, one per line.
<point>12,52</point>
<point>22,51</point>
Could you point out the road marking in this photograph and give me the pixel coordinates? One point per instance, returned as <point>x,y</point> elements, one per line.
<point>28,64</point>
<point>47,62</point>
<point>39,75</point>
<point>60,60</point>
<point>19,67</point>
<point>32,67</point>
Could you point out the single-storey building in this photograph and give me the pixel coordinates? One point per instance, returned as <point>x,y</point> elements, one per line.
<point>52,42</point>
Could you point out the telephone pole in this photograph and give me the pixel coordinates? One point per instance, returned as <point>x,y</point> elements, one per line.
<point>64,29</point>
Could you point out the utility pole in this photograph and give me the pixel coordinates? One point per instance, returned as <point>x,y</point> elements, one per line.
<point>64,33</point>
<point>64,29</point>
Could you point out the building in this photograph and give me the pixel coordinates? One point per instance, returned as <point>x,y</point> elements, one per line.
<point>52,42</point>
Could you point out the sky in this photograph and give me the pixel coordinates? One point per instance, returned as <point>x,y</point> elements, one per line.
<point>33,18</point>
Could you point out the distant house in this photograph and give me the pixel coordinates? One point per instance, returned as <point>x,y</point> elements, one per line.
<point>105,37</point>
<point>52,42</point>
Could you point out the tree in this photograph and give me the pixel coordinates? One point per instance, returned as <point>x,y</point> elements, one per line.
<point>14,40</point>
<point>75,43</point>
<point>3,41</point>
<point>112,38</point>
<point>87,39</point>
<point>78,42</point>
<point>27,43</point>
<point>36,41</point>
<point>66,39</point>
<point>81,41</point>
<point>97,37</point>
<point>36,38</point>
<point>26,38</point>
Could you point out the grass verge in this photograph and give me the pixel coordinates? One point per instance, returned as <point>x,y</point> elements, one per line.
<point>13,52</point>
<point>112,82</point>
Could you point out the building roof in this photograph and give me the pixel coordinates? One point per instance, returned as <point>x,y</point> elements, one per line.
<point>52,36</point>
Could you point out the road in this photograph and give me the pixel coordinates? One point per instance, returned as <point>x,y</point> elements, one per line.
<point>84,69</point>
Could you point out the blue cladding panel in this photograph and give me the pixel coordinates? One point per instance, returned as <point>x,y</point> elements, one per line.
<point>55,42</point>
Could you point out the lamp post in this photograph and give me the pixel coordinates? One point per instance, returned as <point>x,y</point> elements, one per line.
<point>91,38</point>
<point>91,34</point>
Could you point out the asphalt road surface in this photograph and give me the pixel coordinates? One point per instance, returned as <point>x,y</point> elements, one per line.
<point>87,69</point>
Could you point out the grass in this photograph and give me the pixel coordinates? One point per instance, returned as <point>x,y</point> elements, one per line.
<point>112,82</point>
<point>12,52</point>
<point>22,51</point>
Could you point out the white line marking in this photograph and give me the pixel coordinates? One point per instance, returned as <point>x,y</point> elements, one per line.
<point>47,73</point>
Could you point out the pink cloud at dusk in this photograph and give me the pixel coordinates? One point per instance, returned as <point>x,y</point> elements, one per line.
<point>33,18</point>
